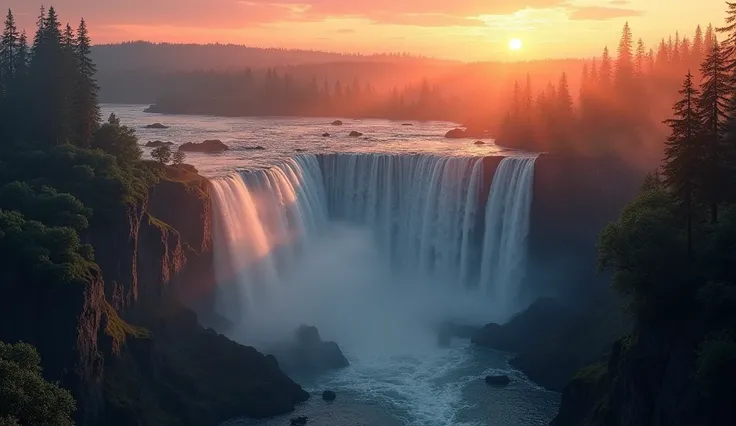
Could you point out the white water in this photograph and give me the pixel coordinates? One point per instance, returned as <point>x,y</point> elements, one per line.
<point>375,250</point>
<point>506,230</point>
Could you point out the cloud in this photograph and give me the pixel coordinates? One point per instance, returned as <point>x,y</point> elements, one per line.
<point>619,2</point>
<point>601,13</point>
<point>239,14</point>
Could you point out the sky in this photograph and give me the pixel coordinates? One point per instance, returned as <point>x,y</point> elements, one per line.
<point>468,30</point>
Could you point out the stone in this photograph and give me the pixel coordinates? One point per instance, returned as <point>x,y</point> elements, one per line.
<point>158,144</point>
<point>337,123</point>
<point>480,143</point>
<point>299,421</point>
<point>329,395</point>
<point>355,134</point>
<point>254,148</point>
<point>325,135</point>
<point>156,126</point>
<point>208,146</point>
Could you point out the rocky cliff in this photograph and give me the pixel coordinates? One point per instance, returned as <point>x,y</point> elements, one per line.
<point>122,339</point>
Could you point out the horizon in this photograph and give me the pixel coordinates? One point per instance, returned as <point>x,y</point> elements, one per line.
<point>466,31</point>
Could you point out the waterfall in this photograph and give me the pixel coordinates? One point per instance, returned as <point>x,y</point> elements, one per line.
<point>423,210</point>
<point>263,220</point>
<point>428,215</point>
<point>507,229</point>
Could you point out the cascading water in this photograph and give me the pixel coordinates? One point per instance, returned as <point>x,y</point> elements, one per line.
<point>376,250</point>
<point>507,229</point>
<point>424,211</point>
<point>262,221</point>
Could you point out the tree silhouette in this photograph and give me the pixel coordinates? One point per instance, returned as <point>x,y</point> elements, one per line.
<point>162,154</point>
<point>683,153</point>
<point>86,105</point>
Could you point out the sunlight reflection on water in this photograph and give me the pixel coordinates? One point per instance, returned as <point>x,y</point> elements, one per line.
<point>283,136</point>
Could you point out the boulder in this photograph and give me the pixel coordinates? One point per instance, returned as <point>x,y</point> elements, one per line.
<point>407,124</point>
<point>208,146</point>
<point>325,135</point>
<point>355,134</point>
<point>158,144</point>
<point>254,148</point>
<point>456,134</point>
<point>337,123</point>
<point>498,381</point>
<point>307,353</point>
<point>300,150</point>
<point>329,395</point>
<point>299,421</point>
<point>156,126</point>
<point>480,143</point>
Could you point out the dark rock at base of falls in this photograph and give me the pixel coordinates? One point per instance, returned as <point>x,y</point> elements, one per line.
<point>158,144</point>
<point>208,146</point>
<point>300,150</point>
<point>479,143</point>
<point>407,124</point>
<point>337,123</point>
<point>329,395</point>
<point>325,135</point>
<point>156,126</point>
<point>552,341</point>
<point>307,353</point>
<point>498,381</point>
<point>299,421</point>
<point>470,132</point>
<point>355,134</point>
<point>254,148</point>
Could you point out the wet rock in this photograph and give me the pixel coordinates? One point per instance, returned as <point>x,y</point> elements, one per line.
<point>158,144</point>
<point>498,381</point>
<point>254,148</point>
<point>299,421</point>
<point>456,134</point>
<point>308,353</point>
<point>208,146</point>
<point>300,150</point>
<point>407,124</point>
<point>337,123</point>
<point>156,126</point>
<point>355,134</point>
<point>325,135</point>
<point>480,143</point>
<point>329,395</point>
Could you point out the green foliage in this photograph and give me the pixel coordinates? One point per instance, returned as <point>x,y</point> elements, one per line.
<point>592,373</point>
<point>162,154</point>
<point>647,251</point>
<point>25,397</point>
<point>716,366</point>
<point>117,140</point>
<point>45,205</point>
<point>179,157</point>
<point>43,253</point>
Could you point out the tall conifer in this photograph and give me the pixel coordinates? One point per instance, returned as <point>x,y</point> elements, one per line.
<point>86,106</point>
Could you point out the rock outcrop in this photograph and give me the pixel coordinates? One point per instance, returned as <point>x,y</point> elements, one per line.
<point>121,340</point>
<point>307,353</point>
<point>209,146</point>
<point>156,126</point>
<point>355,134</point>
<point>158,144</point>
<point>498,381</point>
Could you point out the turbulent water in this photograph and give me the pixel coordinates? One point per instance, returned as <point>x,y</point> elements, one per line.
<point>376,250</point>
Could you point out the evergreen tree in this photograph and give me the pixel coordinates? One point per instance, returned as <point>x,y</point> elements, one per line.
<point>682,163</point>
<point>641,54</point>
<point>8,55</point>
<point>625,60</point>
<point>729,44</point>
<point>708,40</point>
<point>86,105</point>
<point>606,70</point>
<point>697,50</point>
<point>48,97</point>
<point>713,107</point>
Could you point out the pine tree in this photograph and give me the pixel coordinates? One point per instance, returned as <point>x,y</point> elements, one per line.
<point>86,105</point>
<point>625,60</point>
<point>683,152</point>
<point>697,50</point>
<point>606,71</point>
<point>8,55</point>
<point>708,40</point>
<point>729,44</point>
<point>641,54</point>
<point>713,107</point>
<point>47,96</point>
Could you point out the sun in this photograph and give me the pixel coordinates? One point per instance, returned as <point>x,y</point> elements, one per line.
<point>515,44</point>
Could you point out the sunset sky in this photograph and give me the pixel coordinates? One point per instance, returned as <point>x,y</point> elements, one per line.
<point>468,30</point>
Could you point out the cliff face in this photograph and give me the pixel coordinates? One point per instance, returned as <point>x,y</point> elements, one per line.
<point>124,343</point>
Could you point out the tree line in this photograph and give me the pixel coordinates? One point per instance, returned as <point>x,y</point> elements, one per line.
<point>620,103</point>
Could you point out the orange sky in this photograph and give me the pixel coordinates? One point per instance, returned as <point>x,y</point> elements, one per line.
<point>457,29</point>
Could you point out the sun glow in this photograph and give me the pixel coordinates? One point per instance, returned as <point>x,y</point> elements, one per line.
<point>515,44</point>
